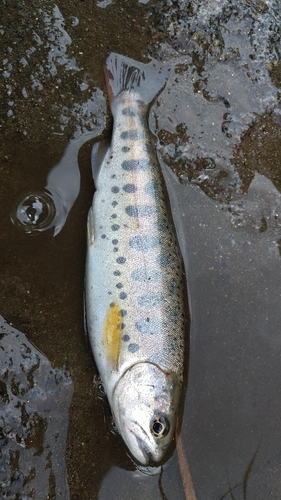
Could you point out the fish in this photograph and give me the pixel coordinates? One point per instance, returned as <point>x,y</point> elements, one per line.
<point>135,285</point>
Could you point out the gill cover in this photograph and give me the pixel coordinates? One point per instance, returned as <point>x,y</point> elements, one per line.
<point>144,404</point>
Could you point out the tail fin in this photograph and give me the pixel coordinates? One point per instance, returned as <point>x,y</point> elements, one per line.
<point>123,73</point>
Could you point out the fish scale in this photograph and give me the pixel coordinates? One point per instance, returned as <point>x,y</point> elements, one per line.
<point>129,227</point>
<point>134,275</point>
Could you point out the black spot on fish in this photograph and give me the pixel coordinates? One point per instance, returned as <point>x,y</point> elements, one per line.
<point>133,347</point>
<point>125,149</point>
<point>114,216</point>
<point>121,260</point>
<point>130,134</point>
<point>123,313</point>
<point>128,112</point>
<point>112,304</point>
<point>143,243</point>
<point>130,188</point>
<point>140,210</point>
<point>115,189</point>
<point>114,242</point>
<point>125,338</point>
<point>119,285</point>
<point>103,236</point>
<point>115,249</point>
<point>133,165</point>
<point>123,295</point>
<point>117,273</point>
<point>115,227</point>
<point>114,203</point>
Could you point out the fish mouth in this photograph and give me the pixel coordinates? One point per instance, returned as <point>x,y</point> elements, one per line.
<point>145,454</point>
<point>136,444</point>
<point>148,455</point>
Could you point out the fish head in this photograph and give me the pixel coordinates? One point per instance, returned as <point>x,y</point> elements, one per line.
<point>144,404</point>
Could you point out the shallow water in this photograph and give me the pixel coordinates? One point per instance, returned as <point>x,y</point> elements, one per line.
<point>34,403</point>
<point>217,126</point>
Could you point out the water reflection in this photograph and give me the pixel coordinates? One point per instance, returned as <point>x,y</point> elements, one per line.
<point>40,211</point>
<point>34,404</point>
<point>35,212</point>
<point>120,483</point>
<point>232,409</point>
<point>170,480</point>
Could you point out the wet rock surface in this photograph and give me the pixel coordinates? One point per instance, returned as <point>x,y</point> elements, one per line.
<point>34,405</point>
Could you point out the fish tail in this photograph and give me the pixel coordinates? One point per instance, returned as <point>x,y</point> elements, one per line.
<point>125,74</point>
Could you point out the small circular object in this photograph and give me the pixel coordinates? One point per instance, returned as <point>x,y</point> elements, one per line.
<point>35,212</point>
<point>160,426</point>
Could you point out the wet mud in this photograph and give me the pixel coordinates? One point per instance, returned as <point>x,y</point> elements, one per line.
<point>217,127</point>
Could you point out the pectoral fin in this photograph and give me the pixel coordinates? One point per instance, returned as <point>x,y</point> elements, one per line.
<point>99,151</point>
<point>90,227</point>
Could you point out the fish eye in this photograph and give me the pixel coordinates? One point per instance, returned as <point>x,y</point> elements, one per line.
<point>160,426</point>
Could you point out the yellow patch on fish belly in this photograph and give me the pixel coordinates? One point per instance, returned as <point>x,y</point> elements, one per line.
<point>112,334</point>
